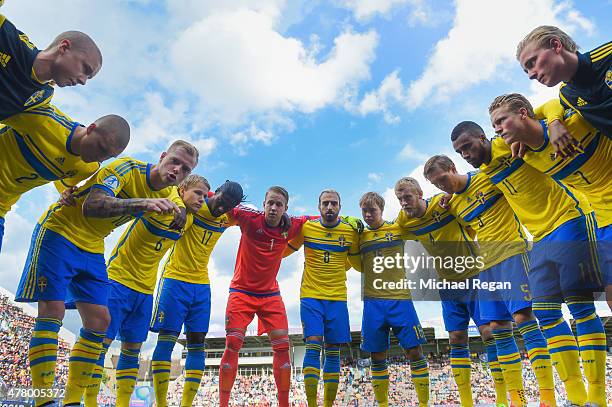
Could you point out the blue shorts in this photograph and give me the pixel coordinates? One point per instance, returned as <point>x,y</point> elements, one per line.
<point>501,304</point>
<point>325,318</point>
<point>563,262</point>
<point>1,231</point>
<point>179,302</point>
<point>55,266</point>
<point>457,312</point>
<point>130,312</point>
<point>604,251</point>
<point>380,315</point>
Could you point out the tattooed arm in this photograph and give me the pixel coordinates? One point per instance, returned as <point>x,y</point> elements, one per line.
<point>100,204</point>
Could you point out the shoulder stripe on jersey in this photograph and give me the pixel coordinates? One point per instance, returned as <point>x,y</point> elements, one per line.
<point>326,247</point>
<point>160,232</point>
<point>579,160</point>
<point>52,114</point>
<point>505,173</point>
<point>104,188</point>
<point>602,56</point>
<point>381,245</point>
<point>34,162</point>
<point>202,224</point>
<point>601,51</point>
<point>481,208</point>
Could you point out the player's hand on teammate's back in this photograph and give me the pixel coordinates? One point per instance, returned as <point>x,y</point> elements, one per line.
<point>161,205</point>
<point>180,218</point>
<point>563,142</point>
<point>67,197</point>
<point>285,223</point>
<point>445,201</point>
<point>518,150</point>
<point>355,223</point>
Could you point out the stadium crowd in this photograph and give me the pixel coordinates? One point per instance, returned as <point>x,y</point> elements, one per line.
<point>15,332</point>
<point>259,389</point>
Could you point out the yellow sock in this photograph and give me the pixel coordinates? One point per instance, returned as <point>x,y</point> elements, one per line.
<point>161,379</point>
<point>540,361</point>
<point>192,384</point>
<point>501,391</point>
<point>42,355</point>
<point>509,359</point>
<point>461,365</point>
<point>83,359</point>
<point>127,373</point>
<point>311,384</point>
<point>420,378</point>
<point>592,346</point>
<point>331,375</point>
<point>93,388</point>
<point>380,382</point>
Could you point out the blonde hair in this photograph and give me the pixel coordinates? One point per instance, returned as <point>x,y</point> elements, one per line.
<point>409,182</point>
<point>542,36</point>
<point>440,162</point>
<point>192,180</point>
<point>189,148</point>
<point>514,101</point>
<point>371,199</point>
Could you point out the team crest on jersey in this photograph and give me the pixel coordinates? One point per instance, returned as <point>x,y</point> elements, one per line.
<point>436,216</point>
<point>4,59</point>
<point>389,236</point>
<point>35,98</point>
<point>42,283</point>
<point>342,241</point>
<point>111,182</point>
<point>480,197</point>
<point>507,161</point>
<point>160,317</point>
<point>608,79</point>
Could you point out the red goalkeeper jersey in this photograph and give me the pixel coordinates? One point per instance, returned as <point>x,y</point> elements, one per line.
<point>260,252</point>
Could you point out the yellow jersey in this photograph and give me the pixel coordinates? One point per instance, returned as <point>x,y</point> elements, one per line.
<point>589,172</point>
<point>135,259</point>
<point>327,249</point>
<point>442,236</point>
<point>540,203</point>
<point>35,150</point>
<point>482,206</point>
<point>123,178</point>
<point>384,241</point>
<point>188,260</point>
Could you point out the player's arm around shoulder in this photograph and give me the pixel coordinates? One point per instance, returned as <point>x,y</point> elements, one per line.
<point>101,202</point>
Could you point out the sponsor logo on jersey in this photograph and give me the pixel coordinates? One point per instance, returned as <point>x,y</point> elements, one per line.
<point>608,78</point>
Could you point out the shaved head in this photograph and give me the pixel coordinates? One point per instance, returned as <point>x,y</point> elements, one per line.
<point>80,42</point>
<point>116,128</point>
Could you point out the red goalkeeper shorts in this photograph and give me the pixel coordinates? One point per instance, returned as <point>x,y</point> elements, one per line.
<point>242,307</point>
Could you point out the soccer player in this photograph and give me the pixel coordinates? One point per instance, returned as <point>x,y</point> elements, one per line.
<point>477,202</point>
<point>386,305</point>
<point>329,242</point>
<point>183,296</point>
<point>50,146</point>
<point>561,265</point>
<point>27,73</point>
<point>550,56</point>
<point>132,272</point>
<point>66,257</point>
<point>442,236</point>
<point>254,290</point>
<point>587,172</point>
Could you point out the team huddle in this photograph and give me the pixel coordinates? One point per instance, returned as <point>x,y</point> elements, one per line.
<point>546,174</point>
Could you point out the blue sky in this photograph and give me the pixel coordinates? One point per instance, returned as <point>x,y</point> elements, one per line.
<point>349,94</point>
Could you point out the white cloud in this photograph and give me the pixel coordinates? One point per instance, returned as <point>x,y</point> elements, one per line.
<point>242,64</point>
<point>411,153</point>
<point>366,9</point>
<point>481,44</point>
<point>375,176</point>
<point>390,91</point>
